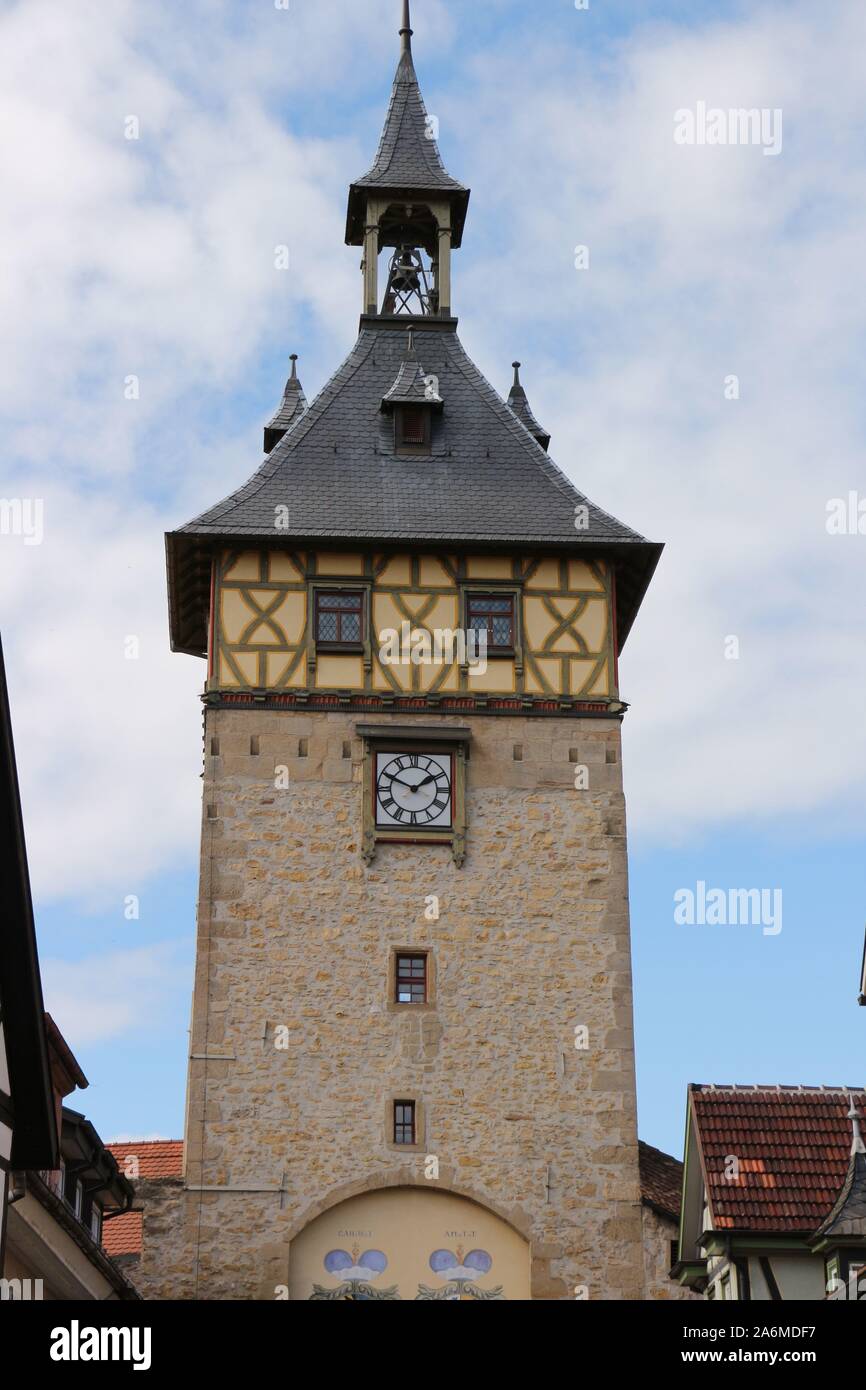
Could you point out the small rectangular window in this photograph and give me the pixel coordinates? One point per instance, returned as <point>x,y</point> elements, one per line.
<point>339,619</point>
<point>404,1122</point>
<point>411,979</point>
<point>412,428</point>
<point>96,1223</point>
<point>493,614</point>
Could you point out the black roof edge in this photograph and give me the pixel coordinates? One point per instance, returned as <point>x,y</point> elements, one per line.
<point>35,1140</point>
<point>100,1158</point>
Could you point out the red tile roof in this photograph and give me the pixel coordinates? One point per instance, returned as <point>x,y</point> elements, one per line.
<point>793,1147</point>
<point>151,1158</point>
<point>661,1180</point>
<point>121,1235</point>
<point>154,1158</point>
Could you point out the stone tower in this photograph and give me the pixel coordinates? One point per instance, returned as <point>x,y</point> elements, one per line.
<point>411,1065</point>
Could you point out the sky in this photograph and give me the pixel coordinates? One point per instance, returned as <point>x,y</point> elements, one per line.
<point>700,376</point>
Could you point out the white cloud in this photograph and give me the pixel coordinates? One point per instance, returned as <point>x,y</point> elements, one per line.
<point>108,996</point>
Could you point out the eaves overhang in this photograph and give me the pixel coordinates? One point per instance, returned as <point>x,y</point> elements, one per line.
<point>189,560</point>
<point>746,1242</point>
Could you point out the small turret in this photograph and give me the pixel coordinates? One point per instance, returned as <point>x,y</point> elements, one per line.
<point>293,405</point>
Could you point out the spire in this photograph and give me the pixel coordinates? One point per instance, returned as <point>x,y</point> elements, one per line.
<point>519,403</point>
<point>408,162</point>
<point>857,1145</point>
<point>406,31</point>
<point>292,407</point>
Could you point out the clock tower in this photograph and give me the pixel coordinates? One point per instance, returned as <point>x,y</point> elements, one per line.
<point>411,1067</point>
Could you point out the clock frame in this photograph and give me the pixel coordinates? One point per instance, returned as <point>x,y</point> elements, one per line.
<point>409,821</point>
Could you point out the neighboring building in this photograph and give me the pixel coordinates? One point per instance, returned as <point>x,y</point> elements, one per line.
<point>412,1059</point>
<point>56,1216</point>
<point>661,1187</point>
<point>147,1162</point>
<point>28,1127</point>
<point>774,1198</point>
<point>56,1178</point>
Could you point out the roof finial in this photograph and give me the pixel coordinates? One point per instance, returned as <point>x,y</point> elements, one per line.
<point>857,1146</point>
<point>406,31</point>
<point>516,366</point>
<point>411,342</point>
<point>294,361</point>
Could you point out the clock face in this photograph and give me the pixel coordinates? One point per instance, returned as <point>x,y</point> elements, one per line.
<point>414,791</point>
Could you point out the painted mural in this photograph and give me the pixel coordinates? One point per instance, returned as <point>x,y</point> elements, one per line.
<point>461,1274</point>
<point>356,1273</point>
<point>409,1244</point>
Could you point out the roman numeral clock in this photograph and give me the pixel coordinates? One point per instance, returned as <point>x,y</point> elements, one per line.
<point>414,787</point>
<point>414,790</point>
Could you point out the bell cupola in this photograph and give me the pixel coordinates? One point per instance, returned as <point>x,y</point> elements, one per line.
<point>409,205</point>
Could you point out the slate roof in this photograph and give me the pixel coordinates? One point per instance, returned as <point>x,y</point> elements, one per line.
<point>793,1145</point>
<point>408,158</point>
<point>661,1181</point>
<point>848,1217</point>
<point>519,403</point>
<point>486,483</point>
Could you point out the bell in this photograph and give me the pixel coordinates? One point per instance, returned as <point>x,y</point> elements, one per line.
<point>405,278</point>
